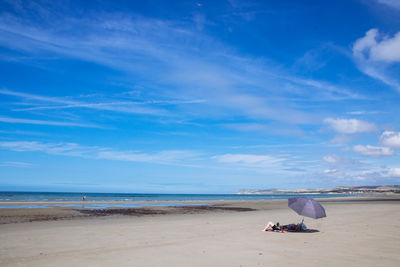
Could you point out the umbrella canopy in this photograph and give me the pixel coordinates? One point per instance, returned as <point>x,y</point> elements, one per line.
<point>306,206</point>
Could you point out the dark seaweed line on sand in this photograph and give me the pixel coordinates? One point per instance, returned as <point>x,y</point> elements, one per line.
<point>174,210</point>
<point>88,213</point>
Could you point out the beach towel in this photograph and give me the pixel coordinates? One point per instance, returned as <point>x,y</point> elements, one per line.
<point>276,231</point>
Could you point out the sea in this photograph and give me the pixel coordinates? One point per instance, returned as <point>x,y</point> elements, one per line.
<point>166,199</point>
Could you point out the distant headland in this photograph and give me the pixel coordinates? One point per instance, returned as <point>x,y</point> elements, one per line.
<point>381,189</point>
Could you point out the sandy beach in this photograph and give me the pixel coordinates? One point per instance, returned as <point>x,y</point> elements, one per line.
<point>357,232</point>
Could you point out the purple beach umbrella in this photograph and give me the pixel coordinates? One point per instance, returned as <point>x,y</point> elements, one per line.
<point>306,206</point>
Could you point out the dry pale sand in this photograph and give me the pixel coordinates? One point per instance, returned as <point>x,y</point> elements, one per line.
<point>355,233</point>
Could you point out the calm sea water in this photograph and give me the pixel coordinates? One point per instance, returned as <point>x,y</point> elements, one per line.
<point>69,197</point>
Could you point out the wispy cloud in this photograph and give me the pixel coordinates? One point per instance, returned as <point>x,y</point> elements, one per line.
<point>269,163</point>
<point>17,164</point>
<point>224,81</point>
<point>373,151</point>
<point>111,105</point>
<point>247,159</point>
<point>341,163</point>
<point>390,3</point>
<point>50,123</point>
<point>131,107</point>
<point>283,164</point>
<point>279,129</point>
<point>64,149</point>
<point>168,157</point>
<point>362,112</point>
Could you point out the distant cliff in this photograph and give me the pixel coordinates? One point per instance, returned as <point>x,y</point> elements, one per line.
<point>387,189</point>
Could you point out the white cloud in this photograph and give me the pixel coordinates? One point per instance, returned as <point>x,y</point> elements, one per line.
<point>365,43</point>
<point>330,171</point>
<point>391,3</point>
<point>369,48</point>
<point>373,151</point>
<point>350,126</point>
<point>374,54</point>
<point>331,159</point>
<point>390,139</point>
<point>395,172</point>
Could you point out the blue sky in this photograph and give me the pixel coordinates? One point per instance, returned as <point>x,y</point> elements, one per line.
<point>198,96</point>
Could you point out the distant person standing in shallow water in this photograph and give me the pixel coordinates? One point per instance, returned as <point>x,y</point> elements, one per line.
<point>84,198</point>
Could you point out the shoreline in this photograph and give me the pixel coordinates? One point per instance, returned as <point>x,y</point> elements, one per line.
<point>55,211</point>
<point>377,197</point>
<point>360,196</point>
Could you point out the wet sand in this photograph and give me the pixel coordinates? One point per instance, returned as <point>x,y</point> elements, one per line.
<point>357,232</point>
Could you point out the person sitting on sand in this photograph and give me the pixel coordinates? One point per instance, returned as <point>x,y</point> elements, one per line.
<point>287,227</point>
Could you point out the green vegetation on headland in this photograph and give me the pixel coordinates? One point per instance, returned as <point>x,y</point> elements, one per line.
<point>386,189</point>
